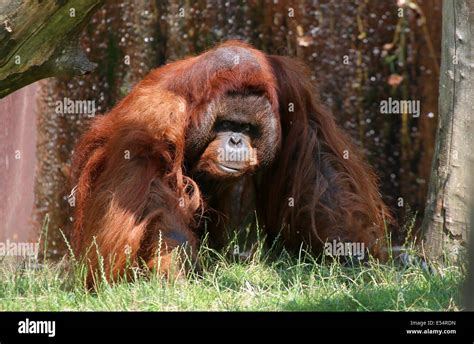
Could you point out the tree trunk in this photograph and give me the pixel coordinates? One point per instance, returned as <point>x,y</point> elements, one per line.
<point>469,295</point>
<point>447,212</point>
<point>38,40</point>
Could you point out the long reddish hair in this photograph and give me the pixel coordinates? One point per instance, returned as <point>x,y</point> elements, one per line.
<point>317,189</point>
<point>320,188</point>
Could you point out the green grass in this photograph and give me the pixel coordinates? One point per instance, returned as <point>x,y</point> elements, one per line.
<point>266,283</point>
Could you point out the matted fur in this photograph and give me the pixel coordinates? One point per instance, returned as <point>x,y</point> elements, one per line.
<point>310,193</point>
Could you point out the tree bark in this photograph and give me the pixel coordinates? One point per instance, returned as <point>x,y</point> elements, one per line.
<point>38,39</point>
<point>469,291</point>
<point>447,211</point>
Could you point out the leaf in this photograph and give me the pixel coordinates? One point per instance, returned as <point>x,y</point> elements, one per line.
<point>395,80</point>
